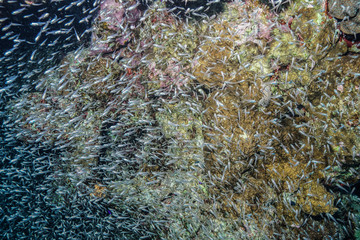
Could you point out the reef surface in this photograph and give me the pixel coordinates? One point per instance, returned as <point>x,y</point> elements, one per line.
<point>191,120</point>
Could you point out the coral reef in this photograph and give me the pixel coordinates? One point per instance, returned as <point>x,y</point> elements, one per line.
<point>183,121</point>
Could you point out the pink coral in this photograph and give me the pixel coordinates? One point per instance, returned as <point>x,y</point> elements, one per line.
<point>119,17</point>
<point>112,12</point>
<point>115,13</point>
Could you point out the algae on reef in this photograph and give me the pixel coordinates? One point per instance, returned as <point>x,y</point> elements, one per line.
<point>277,145</point>
<point>241,125</point>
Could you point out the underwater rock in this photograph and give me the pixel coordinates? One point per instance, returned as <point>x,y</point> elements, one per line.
<point>347,15</point>
<point>237,125</point>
